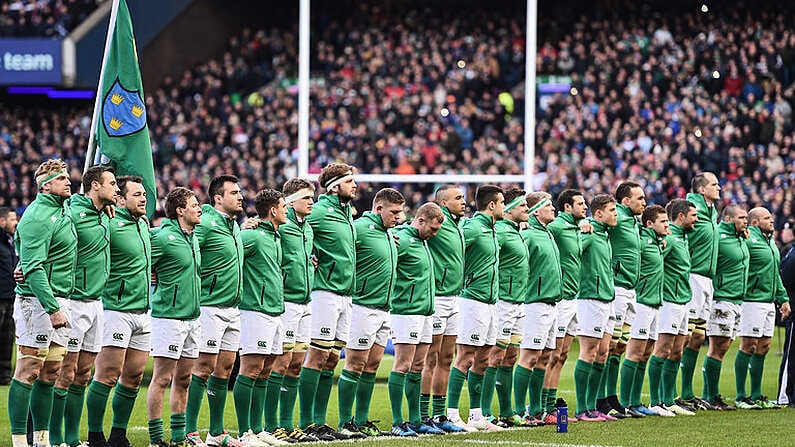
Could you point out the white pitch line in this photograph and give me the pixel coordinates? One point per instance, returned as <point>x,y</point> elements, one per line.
<point>529,443</point>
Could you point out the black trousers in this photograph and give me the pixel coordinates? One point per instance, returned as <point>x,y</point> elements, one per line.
<point>7,338</point>
<point>786,377</point>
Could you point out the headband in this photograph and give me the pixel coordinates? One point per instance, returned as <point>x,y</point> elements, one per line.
<point>300,194</point>
<point>514,203</point>
<point>44,179</point>
<point>337,180</point>
<point>539,205</point>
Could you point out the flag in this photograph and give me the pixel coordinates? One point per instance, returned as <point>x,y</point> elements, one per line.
<point>122,134</point>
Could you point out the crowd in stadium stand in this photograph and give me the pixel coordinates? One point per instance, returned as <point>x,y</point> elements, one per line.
<point>43,18</point>
<point>437,91</point>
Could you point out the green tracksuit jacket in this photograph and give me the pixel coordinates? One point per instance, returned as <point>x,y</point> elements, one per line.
<point>545,283</point>
<point>514,264</point>
<point>93,249</point>
<point>625,243</point>
<point>414,286</point>
<point>376,259</point>
<point>130,264</point>
<point>652,272</point>
<point>47,246</point>
<point>731,276</point>
<point>176,260</point>
<point>764,280</point>
<point>704,238</point>
<point>567,236</point>
<point>481,260</point>
<point>334,245</point>
<point>262,270</point>
<point>596,275</point>
<point>299,273</point>
<point>222,258</point>
<point>447,248</point>
<point>676,267</point>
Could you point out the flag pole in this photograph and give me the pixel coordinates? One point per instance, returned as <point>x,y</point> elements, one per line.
<point>91,155</point>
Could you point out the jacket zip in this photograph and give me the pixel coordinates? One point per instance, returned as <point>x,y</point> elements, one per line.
<point>121,292</point>
<point>391,246</point>
<point>174,300</point>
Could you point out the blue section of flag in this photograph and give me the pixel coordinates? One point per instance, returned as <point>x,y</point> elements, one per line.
<point>123,111</point>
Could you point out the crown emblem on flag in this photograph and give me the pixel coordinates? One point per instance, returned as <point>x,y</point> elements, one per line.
<point>116,99</point>
<point>115,124</point>
<point>137,111</point>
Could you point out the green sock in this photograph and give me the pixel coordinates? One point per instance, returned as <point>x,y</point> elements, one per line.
<point>18,406</point>
<point>413,385</point>
<point>307,389</point>
<point>287,402</point>
<point>487,390</point>
<point>595,384</point>
<point>655,380</point>
<point>741,372</point>
<point>177,423</point>
<point>217,390</point>
<point>364,396</point>
<point>504,387</point>
<point>56,416</point>
<point>41,404</point>
<point>521,381</point>
<point>582,374</point>
<point>257,408</point>
<point>122,404</point>
<point>242,393</point>
<point>601,389</point>
<point>322,396</point>
<point>544,393</point>
<point>552,397</point>
<point>196,391</point>
<point>669,370</point>
<point>156,430</point>
<point>73,411</point>
<point>272,402</point>
<point>534,389</point>
<point>96,402</point>
<point>757,369</point>
<point>628,368</point>
<point>346,388</point>
<point>612,368</point>
<point>475,388</point>
<point>439,405</point>
<point>637,385</point>
<point>712,369</point>
<point>425,405</point>
<point>454,387</point>
<point>396,383</point>
<point>688,364</point>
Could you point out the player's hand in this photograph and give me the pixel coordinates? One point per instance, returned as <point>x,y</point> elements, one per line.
<point>586,227</point>
<point>58,320</point>
<point>785,310</point>
<point>250,223</point>
<point>154,279</point>
<point>313,260</point>
<point>664,243</point>
<point>110,210</point>
<point>19,277</point>
<point>396,239</point>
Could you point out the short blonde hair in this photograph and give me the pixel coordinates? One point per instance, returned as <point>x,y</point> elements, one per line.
<point>430,211</point>
<point>534,197</point>
<point>47,169</point>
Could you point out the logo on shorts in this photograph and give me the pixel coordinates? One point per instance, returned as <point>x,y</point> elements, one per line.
<point>643,332</point>
<point>118,336</point>
<point>42,337</point>
<point>755,330</point>
<point>325,331</point>
<point>597,329</point>
<point>475,337</point>
<point>212,343</point>
<point>412,335</point>
<point>262,344</point>
<point>537,341</point>
<point>437,325</point>
<point>364,341</point>
<point>723,328</point>
<point>674,326</point>
<point>73,342</point>
<point>506,331</point>
<point>290,334</point>
<point>173,348</point>
<point>717,313</point>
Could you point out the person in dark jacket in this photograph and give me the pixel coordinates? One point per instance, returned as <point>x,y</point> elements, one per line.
<point>8,261</point>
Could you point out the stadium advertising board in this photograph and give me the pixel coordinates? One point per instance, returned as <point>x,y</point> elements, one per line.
<point>30,61</point>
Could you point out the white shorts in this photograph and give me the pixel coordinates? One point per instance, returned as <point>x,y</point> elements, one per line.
<point>593,318</point>
<point>86,326</point>
<point>372,327</point>
<point>127,330</point>
<point>412,329</point>
<point>757,319</point>
<point>566,322</point>
<point>478,323</point>
<point>220,329</point>
<point>539,326</point>
<point>672,319</point>
<point>703,291</point>
<point>510,319</point>
<point>624,306</point>
<point>724,320</point>
<point>175,338</point>
<point>261,333</point>
<point>445,316</point>
<point>331,316</point>
<point>296,321</point>
<point>33,326</point>
<point>645,325</point>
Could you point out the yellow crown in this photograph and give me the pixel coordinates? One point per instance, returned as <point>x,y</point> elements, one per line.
<point>116,98</point>
<point>137,111</point>
<point>115,124</point>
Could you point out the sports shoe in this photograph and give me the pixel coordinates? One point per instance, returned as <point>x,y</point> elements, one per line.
<point>121,442</point>
<point>282,435</point>
<point>687,405</point>
<point>766,404</point>
<point>330,431</point>
<point>617,414</point>
<point>679,411</point>
<point>370,429</point>
<point>616,405</point>
<point>456,420</point>
<point>270,438</point>
<point>481,423</point>
<point>321,435</point>
<point>702,404</point>
<point>590,416</point>
<point>606,417</point>
<point>718,404</point>
<point>633,412</point>
<point>180,443</point>
<point>350,430</point>
<point>402,430</point>
<point>249,439</point>
<point>195,439</point>
<point>426,428</point>
<point>531,421</point>
<point>447,425</point>
<point>496,421</point>
<point>223,440</point>
<point>298,435</point>
<point>96,439</point>
<point>550,418</point>
<point>662,411</point>
<point>160,443</point>
<point>644,410</point>
<point>746,404</point>
<point>603,406</point>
